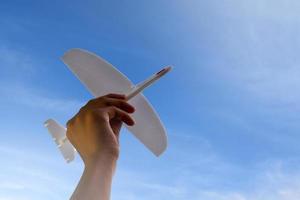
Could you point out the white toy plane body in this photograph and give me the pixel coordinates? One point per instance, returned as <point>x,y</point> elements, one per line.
<point>101,78</point>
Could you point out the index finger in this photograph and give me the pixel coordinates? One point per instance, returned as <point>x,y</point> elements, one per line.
<point>116,96</point>
<point>114,112</point>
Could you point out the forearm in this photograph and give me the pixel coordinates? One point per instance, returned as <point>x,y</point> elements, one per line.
<point>96,180</point>
<point>94,132</point>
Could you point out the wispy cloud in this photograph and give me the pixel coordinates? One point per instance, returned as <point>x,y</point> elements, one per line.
<point>28,96</point>
<point>270,183</point>
<point>18,65</point>
<point>260,46</point>
<point>31,97</point>
<point>204,175</point>
<point>28,174</point>
<point>197,171</point>
<point>254,46</point>
<point>16,61</point>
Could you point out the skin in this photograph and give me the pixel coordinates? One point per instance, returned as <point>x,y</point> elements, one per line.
<point>94,132</point>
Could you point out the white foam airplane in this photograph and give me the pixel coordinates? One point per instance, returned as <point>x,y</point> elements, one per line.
<point>101,78</point>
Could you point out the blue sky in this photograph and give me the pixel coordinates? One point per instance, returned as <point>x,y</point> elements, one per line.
<point>230,105</point>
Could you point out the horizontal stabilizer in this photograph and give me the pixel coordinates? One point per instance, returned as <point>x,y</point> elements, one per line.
<point>58,133</point>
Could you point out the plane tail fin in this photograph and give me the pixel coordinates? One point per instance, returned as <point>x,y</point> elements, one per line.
<point>58,133</point>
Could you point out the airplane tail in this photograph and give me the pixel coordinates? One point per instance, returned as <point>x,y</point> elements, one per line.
<point>58,133</point>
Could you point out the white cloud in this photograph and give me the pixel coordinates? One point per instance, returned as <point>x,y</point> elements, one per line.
<point>196,171</point>
<point>16,66</point>
<point>260,46</point>
<point>251,45</point>
<point>272,183</point>
<point>22,95</point>
<point>29,174</point>
<point>36,175</point>
<point>16,61</point>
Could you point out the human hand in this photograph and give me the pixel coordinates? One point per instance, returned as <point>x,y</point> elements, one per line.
<point>94,130</point>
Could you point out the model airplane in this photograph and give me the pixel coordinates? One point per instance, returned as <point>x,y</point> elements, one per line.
<point>101,78</point>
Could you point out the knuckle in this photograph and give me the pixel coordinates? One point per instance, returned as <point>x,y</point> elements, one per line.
<point>105,98</point>
<point>82,109</point>
<point>111,107</point>
<point>108,95</point>
<point>99,115</point>
<point>90,102</point>
<point>96,115</point>
<point>102,118</point>
<point>95,100</point>
<point>70,123</point>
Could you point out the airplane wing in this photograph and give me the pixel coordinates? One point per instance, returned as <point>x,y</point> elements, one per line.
<point>58,134</point>
<point>101,78</point>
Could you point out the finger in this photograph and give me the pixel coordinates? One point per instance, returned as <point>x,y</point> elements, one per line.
<point>116,96</point>
<point>104,102</point>
<point>102,98</point>
<point>123,105</point>
<point>117,113</point>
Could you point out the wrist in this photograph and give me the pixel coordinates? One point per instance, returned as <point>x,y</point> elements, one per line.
<point>102,161</point>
